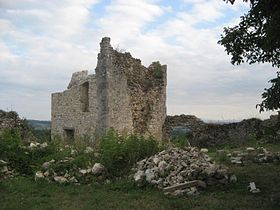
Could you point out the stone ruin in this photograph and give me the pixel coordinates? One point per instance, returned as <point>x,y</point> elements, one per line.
<point>10,121</point>
<point>202,134</point>
<point>123,94</point>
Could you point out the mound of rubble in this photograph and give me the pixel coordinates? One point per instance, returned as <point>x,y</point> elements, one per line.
<point>182,171</point>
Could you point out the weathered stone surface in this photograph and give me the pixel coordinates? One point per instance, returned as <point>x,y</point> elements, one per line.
<point>123,94</point>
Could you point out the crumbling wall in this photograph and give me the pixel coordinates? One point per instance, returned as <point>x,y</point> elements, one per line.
<point>68,111</point>
<point>146,92</point>
<point>209,134</point>
<point>123,95</point>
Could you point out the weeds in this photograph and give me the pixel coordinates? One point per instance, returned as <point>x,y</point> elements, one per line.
<point>119,153</point>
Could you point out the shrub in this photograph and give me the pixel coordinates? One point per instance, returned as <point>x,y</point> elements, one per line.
<point>120,153</point>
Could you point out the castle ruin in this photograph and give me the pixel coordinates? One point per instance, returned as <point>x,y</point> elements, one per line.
<point>123,94</point>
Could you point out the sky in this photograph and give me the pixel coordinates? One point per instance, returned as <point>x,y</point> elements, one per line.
<point>42,42</point>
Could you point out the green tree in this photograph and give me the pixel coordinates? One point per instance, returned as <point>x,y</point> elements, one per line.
<point>256,39</point>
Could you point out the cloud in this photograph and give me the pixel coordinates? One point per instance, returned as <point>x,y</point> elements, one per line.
<point>43,42</point>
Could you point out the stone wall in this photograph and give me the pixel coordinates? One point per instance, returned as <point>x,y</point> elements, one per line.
<point>68,113</point>
<point>123,94</point>
<point>209,134</point>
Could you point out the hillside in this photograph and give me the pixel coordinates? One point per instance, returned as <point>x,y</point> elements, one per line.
<point>39,124</point>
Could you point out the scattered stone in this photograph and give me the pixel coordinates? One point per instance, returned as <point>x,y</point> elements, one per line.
<point>47,165</point>
<point>60,179</point>
<point>204,150</point>
<point>83,171</point>
<point>250,149</point>
<point>3,163</point>
<point>236,160</point>
<point>98,169</point>
<point>46,173</point>
<point>39,175</point>
<point>139,176</point>
<point>252,188</point>
<point>4,169</point>
<point>233,178</point>
<point>73,180</point>
<point>74,152</point>
<point>89,150</point>
<point>44,145</point>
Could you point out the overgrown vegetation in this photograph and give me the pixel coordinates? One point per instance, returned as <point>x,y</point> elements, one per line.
<point>119,153</point>
<point>157,71</point>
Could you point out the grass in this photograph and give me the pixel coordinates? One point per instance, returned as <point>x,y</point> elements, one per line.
<point>24,193</point>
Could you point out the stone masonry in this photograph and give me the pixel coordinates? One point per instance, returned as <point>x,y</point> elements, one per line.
<point>123,94</point>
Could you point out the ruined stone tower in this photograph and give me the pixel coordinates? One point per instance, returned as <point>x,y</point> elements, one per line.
<point>123,94</point>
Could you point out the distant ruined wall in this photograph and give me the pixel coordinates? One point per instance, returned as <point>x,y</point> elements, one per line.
<point>209,134</point>
<point>123,94</point>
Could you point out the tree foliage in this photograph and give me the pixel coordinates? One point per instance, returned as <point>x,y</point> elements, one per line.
<point>271,96</point>
<point>256,39</point>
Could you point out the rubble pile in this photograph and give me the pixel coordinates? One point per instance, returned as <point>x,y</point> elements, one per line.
<point>65,171</point>
<point>182,171</point>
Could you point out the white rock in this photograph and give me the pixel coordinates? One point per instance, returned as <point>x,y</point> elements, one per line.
<point>139,176</point>
<point>39,175</point>
<point>46,165</point>
<point>88,150</point>
<point>83,171</point>
<point>162,165</point>
<point>193,191</point>
<point>73,180</point>
<point>4,169</point>
<point>60,179</point>
<point>156,160</point>
<point>252,188</point>
<point>204,150</point>
<point>97,169</point>
<point>44,145</point>
<point>74,152</point>
<point>52,161</point>
<point>2,163</point>
<point>32,145</point>
<point>46,173</point>
<point>150,175</point>
<point>96,154</point>
<point>233,179</point>
<point>250,149</point>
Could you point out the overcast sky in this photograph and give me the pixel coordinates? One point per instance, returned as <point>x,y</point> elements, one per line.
<point>42,42</point>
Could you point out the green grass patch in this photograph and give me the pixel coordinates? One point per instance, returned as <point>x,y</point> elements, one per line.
<point>24,193</point>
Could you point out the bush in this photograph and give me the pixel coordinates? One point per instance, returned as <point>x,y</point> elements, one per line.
<point>120,153</point>
<point>26,161</point>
